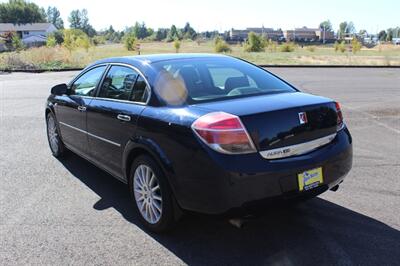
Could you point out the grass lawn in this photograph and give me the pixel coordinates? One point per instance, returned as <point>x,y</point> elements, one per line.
<point>59,57</point>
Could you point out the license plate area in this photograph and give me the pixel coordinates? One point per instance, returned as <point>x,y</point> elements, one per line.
<point>310,179</point>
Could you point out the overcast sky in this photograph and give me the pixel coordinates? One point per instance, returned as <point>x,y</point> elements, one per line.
<point>223,14</point>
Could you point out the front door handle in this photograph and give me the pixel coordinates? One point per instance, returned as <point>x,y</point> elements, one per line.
<point>82,108</point>
<point>124,117</point>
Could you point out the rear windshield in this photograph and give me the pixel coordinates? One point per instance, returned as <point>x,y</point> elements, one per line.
<point>211,79</point>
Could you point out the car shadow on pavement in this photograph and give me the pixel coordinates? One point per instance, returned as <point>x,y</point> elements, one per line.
<point>316,232</point>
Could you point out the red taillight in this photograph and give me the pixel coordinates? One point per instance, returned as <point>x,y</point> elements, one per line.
<point>224,133</point>
<point>339,116</point>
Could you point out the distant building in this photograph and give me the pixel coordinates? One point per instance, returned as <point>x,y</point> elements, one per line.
<point>31,34</point>
<point>268,33</point>
<point>396,41</point>
<point>305,34</point>
<point>301,34</point>
<point>327,35</point>
<point>238,35</point>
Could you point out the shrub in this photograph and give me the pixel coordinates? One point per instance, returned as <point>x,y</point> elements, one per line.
<point>271,45</point>
<point>287,47</point>
<point>340,46</point>
<point>83,42</point>
<point>74,38</point>
<point>17,43</point>
<point>177,45</point>
<point>254,43</point>
<point>217,39</point>
<point>98,40</point>
<point>220,46</point>
<point>59,36</point>
<point>311,49</point>
<point>355,45</point>
<point>16,61</point>
<point>130,41</point>
<point>336,46</point>
<point>51,41</point>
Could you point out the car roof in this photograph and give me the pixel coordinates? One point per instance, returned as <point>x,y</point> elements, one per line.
<point>153,58</point>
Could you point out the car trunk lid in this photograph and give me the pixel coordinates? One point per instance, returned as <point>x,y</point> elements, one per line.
<point>282,120</point>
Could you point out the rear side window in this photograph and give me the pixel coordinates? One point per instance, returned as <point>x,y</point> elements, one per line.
<point>140,91</point>
<point>118,83</point>
<point>86,84</point>
<point>213,79</point>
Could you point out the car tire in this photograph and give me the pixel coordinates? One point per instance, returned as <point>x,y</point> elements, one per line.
<point>53,136</point>
<point>152,196</point>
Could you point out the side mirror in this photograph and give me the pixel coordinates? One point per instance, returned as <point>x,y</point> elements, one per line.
<point>59,89</point>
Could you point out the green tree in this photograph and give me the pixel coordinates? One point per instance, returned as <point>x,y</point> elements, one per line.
<point>177,45</point>
<point>72,39</point>
<point>51,41</point>
<point>355,45</point>
<point>382,35</point>
<point>161,34</point>
<point>53,16</point>
<point>188,32</point>
<point>130,41</point>
<point>389,34</point>
<point>149,32</point>
<point>392,33</point>
<point>17,43</point>
<point>140,30</point>
<point>173,34</point>
<point>339,46</point>
<point>112,35</point>
<point>21,12</point>
<point>99,39</point>
<point>254,43</point>
<point>326,25</point>
<point>363,32</point>
<point>79,19</point>
<point>220,46</point>
<point>287,47</point>
<point>83,42</point>
<point>59,36</point>
<point>346,28</point>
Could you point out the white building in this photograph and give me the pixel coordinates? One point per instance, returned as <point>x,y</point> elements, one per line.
<point>396,41</point>
<point>30,34</point>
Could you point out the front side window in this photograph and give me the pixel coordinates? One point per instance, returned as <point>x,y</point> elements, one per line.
<point>124,83</point>
<point>86,84</point>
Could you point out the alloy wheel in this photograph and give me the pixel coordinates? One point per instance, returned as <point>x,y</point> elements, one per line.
<point>147,193</point>
<point>52,134</point>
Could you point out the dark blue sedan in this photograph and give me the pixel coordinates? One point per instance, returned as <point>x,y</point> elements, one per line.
<point>205,133</point>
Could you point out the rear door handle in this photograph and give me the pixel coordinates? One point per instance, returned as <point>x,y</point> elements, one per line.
<point>82,108</point>
<point>124,117</point>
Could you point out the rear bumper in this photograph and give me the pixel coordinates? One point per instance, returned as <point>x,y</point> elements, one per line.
<point>225,183</point>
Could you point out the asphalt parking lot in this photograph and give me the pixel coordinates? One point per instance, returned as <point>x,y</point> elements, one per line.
<point>69,212</point>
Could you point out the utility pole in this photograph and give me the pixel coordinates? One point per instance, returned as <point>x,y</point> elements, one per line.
<point>294,34</point>
<point>324,34</point>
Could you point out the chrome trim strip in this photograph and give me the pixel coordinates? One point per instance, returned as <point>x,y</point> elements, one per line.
<point>140,73</point>
<point>84,71</point>
<point>108,66</point>
<point>78,129</point>
<point>103,139</point>
<point>118,100</point>
<point>90,134</point>
<point>297,149</point>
